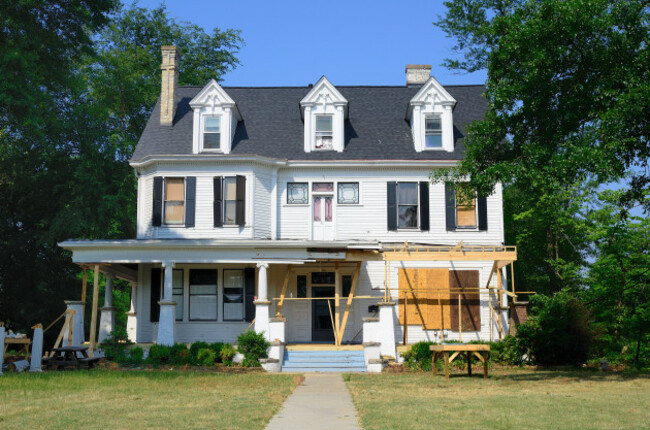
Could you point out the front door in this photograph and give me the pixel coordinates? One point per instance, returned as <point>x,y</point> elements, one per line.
<point>322,214</point>
<point>321,329</point>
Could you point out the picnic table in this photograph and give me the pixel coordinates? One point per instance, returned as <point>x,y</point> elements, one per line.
<point>442,351</point>
<point>76,356</point>
<point>22,341</point>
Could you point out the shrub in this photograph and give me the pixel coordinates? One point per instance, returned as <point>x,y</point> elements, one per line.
<point>419,357</point>
<point>216,348</point>
<point>558,330</point>
<point>159,354</point>
<point>115,346</point>
<point>227,354</point>
<point>180,355</point>
<point>253,345</point>
<point>508,351</point>
<point>206,357</point>
<point>136,355</point>
<point>194,351</point>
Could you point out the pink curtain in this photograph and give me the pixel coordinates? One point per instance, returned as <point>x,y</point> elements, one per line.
<point>316,208</point>
<point>328,209</point>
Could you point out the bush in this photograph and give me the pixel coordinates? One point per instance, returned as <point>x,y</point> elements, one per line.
<point>558,331</point>
<point>180,355</point>
<point>136,355</point>
<point>216,348</point>
<point>159,354</point>
<point>419,357</point>
<point>115,346</point>
<point>206,357</point>
<point>253,345</point>
<point>508,351</point>
<point>194,351</point>
<point>227,354</point>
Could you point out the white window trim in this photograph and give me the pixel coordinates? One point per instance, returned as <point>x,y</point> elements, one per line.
<point>164,200</point>
<point>329,134</point>
<point>202,133</point>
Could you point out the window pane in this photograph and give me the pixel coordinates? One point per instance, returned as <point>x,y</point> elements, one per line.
<point>301,286</point>
<point>328,209</point>
<point>346,285</point>
<point>230,212</point>
<point>434,124</point>
<point>317,209</point>
<point>407,193</point>
<point>233,311</point>
<point>230,188</point>
<point>174,212</point>
<point>212,124</point>
<point>203,276</point>
<point>322,186</point>
<point>324,123</point>
<point>323,278</point>
<point>297,193</point>
<point>211,140</point>
<point>203,307</point>
<point>433,141</point>
<point>203,289</point>
<point>323,142</point>
<point>407,216</point>
<point>174,189</point>
<point>178,298</point>
<point>348,192</point>
<point>203,294</point>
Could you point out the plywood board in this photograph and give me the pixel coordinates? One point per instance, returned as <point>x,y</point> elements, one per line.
<point>426,305</point>
<point>470,303</point>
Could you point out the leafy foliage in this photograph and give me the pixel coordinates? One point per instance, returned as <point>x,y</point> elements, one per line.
<point>419,357</point>
<point>159,354</point>
<point>228,354</point>
<point>254,346</point>
<point>206,357</point>
<point>115,346</point>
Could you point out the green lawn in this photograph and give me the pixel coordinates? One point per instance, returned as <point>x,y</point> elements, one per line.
<point>509,399</point>
<point>154,399</point>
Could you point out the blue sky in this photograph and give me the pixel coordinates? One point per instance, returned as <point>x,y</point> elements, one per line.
<point>352,42</point>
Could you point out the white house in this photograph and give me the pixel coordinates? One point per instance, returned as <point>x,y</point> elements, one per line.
<point>255,205</point>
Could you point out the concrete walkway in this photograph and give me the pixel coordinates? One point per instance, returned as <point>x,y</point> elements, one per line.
<point>321,402</point>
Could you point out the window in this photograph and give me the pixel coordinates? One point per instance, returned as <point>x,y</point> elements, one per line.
<point>323,278</point>
<point>346,285</point>
<point>348,193</point>
<point>212,132</point>
<point>203,295</point>
<point>174,201</point>
<point>233,295</point>
<point>297,193</point>
<point>407,205</point>
<point>301,286</point>
<point>465,211</point>
<point>177,293</point>
<point>433,133</point>
<point>229,200</point>
<point>323,132</point>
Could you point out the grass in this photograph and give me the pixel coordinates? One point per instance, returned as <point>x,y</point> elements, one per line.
<point>509,399</point>
<point>157,399</point>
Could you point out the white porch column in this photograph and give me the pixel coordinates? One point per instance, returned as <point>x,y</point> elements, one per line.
<point>2,348</point>
<point>78,336</point>
<point>262,303</point>
<point>131,316</point>
<point>107,318</point>
<point>386,328</point>
<point>37,349</point>
<point>167,309</point>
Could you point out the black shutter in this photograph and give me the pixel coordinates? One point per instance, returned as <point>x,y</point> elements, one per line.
<point>218,201</point>
<point>154,312</point>
<point>391,194</point>
<point>190,200</point>
<point>481,204</point>
<point>156,217</point>
<point>240,217</point>
<point>450,205</point>
<point>424,206</point>
<point>249,296</point>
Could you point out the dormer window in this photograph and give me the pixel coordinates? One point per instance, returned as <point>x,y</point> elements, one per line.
<point>324,133</point>
<point>433,133</point>
<point>211,133</point>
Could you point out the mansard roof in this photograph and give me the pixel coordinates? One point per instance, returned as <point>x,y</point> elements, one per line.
<point>271,126</point>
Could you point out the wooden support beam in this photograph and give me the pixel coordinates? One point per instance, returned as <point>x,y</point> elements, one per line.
<point>460,321</point>
<point>348,305</point>
<point>84,284</point>
<point>406,326</point>
<point>500,301</point>
<point>337,304</point>
<point>68,316</point>
<point>336,335</point>
<point>512,276</point>
<point>287,277</point>
<point>93,319</point>
<point>70,326</point>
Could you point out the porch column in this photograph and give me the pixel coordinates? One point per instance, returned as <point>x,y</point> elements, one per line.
<point>107,317</point>
<point>131,316</point>
<point>386,328</point>
<point>262,303</point>
<point>167,309</point>
<point>78,336</point>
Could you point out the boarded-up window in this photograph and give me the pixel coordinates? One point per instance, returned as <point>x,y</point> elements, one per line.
<point>465,211</point>
<point>174,200</point>
<point>470,311</point>
<point>427,293</point>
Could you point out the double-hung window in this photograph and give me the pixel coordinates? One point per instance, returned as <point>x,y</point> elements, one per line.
<point>324,133</point>
<point>203,295</point>
<point>407,205</point>
<point>174,201</point>
<point>465,211</point>
<point>229,200</point>
<point>212,133</point>
<point>433,132</point>
<point>233,295</point>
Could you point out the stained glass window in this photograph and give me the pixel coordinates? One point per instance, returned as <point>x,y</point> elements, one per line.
<point>348,193</point>
<point>297,193</point>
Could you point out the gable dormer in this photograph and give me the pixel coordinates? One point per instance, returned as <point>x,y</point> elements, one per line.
<point>324,110</point>
<point>431,118</point>
<point>215,120</point>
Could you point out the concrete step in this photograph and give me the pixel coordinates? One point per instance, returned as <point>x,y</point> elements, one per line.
<point>325,369</point>
<point>323,361</point>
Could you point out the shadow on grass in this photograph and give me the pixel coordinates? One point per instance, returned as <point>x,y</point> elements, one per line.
<point>569,375</point>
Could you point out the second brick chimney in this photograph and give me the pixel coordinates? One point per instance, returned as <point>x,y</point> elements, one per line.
<point>168,94</point>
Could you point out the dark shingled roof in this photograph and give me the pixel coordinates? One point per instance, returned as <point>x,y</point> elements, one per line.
<point>272,126</point>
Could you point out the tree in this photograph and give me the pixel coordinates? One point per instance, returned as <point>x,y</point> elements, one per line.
<point>568,91</point>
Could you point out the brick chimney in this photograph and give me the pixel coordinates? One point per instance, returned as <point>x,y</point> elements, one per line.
<point>417,74</point>
<point>168,95</point>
